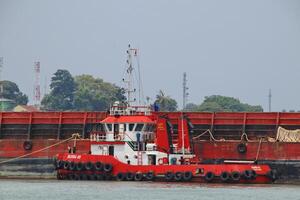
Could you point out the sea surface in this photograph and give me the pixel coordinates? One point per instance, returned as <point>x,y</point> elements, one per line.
<point>93,190</point>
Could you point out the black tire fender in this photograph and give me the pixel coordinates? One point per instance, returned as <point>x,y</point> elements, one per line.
<point>169,176</point>
<point>130,176</point>
<point>178,176</point>
<point>235,175</point>
<point>107,167</point>
<point>98,166</point>
<point>209,176</point>
<point>120,176</point>
<point>149,176</point>
<point>225,176</point>
<point>27,145</point>
<point>138,177</point>
<point>187,176</point>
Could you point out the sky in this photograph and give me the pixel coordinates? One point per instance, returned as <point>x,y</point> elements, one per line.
<point>233,48</point>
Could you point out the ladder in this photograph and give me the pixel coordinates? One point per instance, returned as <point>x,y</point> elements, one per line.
<point>140,158</point>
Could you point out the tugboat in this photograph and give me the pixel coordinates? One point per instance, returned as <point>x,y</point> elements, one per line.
<point>135,145</point>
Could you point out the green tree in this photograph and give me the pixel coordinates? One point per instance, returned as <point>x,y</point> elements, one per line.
<point>166,103</point>
<point>218,103</point>
<point>10,90</point>
<point>191,107</point>
<point>61,96</point>
<point>95,94</point>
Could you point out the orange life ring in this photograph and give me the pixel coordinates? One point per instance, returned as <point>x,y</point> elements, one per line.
<point>160,161</point>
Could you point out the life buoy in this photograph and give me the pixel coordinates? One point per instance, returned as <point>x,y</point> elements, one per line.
<point>169,176</point>
<point>242,148</point>
<point>235,176</point>
<point>209,176</point>
<point>27,145</point>
<point>160,161</point>
<point>98,166</point>
<point>129,176</point>
<point>138,177</point>
<point>178,176</point>
<point>187,176</point>
<point>107,167</point>
<point>149,176</point>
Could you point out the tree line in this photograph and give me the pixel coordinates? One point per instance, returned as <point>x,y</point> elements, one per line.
<point>87,93</point>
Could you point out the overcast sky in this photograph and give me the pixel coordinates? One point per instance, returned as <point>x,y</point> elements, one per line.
<point>234,48</point>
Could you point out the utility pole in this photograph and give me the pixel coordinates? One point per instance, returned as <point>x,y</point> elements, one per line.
<point>37,87</point>
<point>185,93</point>
<point>270,99</point>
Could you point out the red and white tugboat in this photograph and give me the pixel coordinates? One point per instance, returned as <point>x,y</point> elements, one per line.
<point>136,145</point>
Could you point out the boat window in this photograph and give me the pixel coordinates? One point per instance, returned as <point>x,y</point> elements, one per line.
<point>149,127</point>
<point>109,127</point>
<point>139,127</point>
<point>131,126</point>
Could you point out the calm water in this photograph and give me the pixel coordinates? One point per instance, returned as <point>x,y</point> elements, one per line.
<point>61,190</point>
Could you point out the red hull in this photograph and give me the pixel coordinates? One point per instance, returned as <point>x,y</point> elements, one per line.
<point>198,171</point>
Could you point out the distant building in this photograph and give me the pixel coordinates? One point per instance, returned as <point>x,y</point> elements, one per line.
<point>25,108</point>
<point>6,104</point>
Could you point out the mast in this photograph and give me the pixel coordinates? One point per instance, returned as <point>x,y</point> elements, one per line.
<point>132,52</point>
<point>185,93</point>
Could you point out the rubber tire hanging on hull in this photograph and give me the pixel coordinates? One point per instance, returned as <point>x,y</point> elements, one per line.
<point>187,176</point>
<point>138,177</point>
<point>209,176</point>
<point>225,176</point>
<point>98,166</point>
<point>129,176</point>
<point>235,176</point>
<point>149,176</point>
<point>178,176</point>
<point>107,167</point>
<point>79,166</point>
<point>169,176</point>
<point>27,145</point>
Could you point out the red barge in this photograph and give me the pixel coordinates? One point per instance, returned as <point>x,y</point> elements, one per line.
<point>42,129</point>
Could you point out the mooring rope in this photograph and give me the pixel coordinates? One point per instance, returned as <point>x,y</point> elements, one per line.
<point>258,149</point>
<point>210,134</point>
<point>74,136</point>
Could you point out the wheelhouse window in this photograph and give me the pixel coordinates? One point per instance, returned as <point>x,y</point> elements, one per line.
<point>109,127</point>
<point>139,127</point>
<point>131,126</point>
<point>149,128</point>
